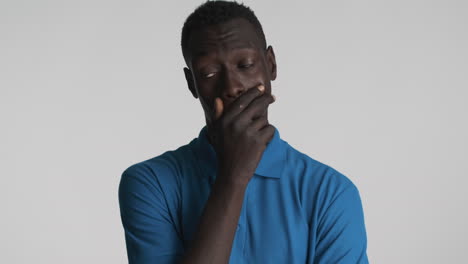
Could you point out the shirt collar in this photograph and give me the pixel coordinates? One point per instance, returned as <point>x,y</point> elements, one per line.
<point>271,164</point>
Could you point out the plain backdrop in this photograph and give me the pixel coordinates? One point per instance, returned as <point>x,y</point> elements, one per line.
<point>375,89</point>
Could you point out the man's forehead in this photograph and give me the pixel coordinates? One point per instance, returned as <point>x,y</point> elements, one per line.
<point>207,48</point>
<point>233,34</point>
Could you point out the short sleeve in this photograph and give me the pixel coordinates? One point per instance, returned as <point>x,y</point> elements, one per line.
<point>341,234</point>
<point>150,232</point>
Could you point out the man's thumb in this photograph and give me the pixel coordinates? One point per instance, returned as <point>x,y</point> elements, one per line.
<point>218,107</point>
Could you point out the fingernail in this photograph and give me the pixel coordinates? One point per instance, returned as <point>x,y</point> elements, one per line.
<point>261,88</point>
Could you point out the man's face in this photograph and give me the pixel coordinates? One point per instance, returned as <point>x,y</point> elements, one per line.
<point>226,60</point>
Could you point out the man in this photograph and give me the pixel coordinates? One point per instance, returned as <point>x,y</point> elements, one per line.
<point>238,193</point>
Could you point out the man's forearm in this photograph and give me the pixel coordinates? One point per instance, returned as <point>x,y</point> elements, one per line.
<point>217,227</point>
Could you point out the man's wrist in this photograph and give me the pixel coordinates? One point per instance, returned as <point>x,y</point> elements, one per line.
<point>228,182</point>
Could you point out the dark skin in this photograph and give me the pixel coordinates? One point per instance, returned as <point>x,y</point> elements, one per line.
<point>227,68</point>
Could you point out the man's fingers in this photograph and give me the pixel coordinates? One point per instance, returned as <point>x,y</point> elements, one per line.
<point>219,108</point>
<point>267,133</point>
<point>238,105</point>
<point>258,107</point>
<point>259,123</point>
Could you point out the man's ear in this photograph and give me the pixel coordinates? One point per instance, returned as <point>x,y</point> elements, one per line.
<point>271,62</point>
<point>190,82</point>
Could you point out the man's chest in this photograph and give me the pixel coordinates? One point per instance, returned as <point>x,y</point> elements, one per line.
<point>271,227</point>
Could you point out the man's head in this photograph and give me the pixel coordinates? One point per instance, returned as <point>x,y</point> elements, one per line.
<point>225,50</point>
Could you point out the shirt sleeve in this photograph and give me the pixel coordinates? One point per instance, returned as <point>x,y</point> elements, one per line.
<point>150,232</point>
<point>341,234</point>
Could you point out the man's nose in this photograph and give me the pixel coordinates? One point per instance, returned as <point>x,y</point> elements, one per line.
<point>232,86</point>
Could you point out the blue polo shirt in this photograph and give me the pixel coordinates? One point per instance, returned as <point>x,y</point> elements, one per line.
<point>295,209</point>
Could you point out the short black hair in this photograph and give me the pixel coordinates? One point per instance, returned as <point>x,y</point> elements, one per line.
<point>218,12</point>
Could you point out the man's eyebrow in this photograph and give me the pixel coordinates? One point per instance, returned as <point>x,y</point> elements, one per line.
<point>206,52</point>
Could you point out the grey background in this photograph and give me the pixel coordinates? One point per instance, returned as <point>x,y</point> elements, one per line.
<point>376,89</point>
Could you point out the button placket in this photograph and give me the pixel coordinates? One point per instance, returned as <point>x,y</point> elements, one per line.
<point>243,219</point>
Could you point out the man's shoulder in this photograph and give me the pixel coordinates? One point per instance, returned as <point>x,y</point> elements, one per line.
<point>164,168</point>
<point>314,173</point>
<point>318,185</point>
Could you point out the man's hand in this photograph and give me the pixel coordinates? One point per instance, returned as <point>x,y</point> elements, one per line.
<point>240,134</point>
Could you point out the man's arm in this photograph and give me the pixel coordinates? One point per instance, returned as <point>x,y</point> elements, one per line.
<point>241,135</point>
<point>215,234</point>
<point>341,233</point>
<point>150,234</point>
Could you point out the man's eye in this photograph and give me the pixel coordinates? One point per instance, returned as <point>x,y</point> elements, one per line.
<point>209,75</point>
<point>246,65</point>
